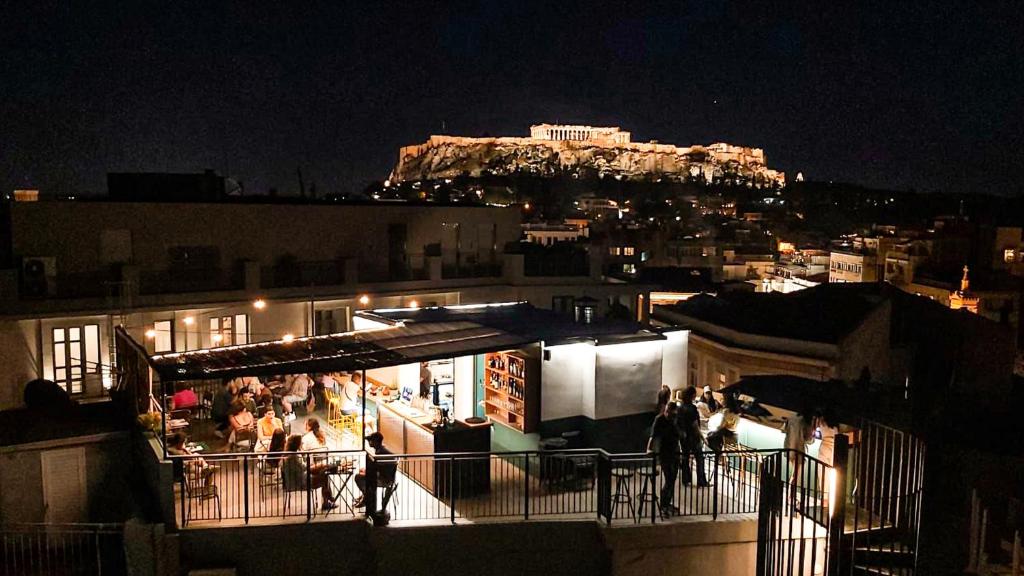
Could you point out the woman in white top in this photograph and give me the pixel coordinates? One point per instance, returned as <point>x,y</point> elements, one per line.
<point>422,402</point>
<point>313,440</point>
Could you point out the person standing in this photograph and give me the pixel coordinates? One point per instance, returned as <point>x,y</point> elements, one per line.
<point>664,441</point>
<point>664,396</point>
<point>693,440</point>
<point>799,430</point>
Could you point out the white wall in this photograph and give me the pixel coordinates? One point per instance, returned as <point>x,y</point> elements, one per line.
<point>20,358</point>
<point>464,383</point>
<point>673,359</point>
<point>628,377</point>
<point>567,381</point>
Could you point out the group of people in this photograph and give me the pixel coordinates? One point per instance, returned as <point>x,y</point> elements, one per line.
<point>299,471</point>
<point>677,432</point>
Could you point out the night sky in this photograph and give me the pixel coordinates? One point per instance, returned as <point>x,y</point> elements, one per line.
<point>896,96</point>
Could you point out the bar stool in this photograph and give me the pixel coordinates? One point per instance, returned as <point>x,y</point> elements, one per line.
<point>623,493</point>
<point>649,491</point>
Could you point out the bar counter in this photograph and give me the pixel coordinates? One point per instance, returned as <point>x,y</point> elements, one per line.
<point>409,431</point>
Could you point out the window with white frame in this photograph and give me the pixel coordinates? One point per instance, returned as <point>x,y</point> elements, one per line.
<point>229,330</point>
<point>76,352</point>
<point>163,338</point>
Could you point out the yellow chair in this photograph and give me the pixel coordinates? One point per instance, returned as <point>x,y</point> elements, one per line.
<point>333,408</point>
<point>347,422</point>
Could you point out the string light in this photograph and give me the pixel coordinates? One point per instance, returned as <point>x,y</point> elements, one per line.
<point>414,304</point>
<point>150,333</point>
<point>259,304</point>
<point>364,299</point>
<point>188,320</point>
<point>287,337</point>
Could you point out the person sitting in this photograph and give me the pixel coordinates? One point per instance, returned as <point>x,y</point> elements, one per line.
<point>329,382</point>
<point>243,424</point>
<point>245,397</point>
<point>352,401</point>
<point>184,397</point>
<point>313,440</point>
<point>277,445</point>
<point>386,470</point>
<point>265,429</point>
<point>298,391</point>
<point>197,466</point>
<point>296,471</point>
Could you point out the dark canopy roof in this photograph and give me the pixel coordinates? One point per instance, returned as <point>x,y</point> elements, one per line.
<point>824,313</point>
<point>362,350</point>
<point>414,335</point>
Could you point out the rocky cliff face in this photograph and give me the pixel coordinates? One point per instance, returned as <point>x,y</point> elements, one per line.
<point>451,157</point>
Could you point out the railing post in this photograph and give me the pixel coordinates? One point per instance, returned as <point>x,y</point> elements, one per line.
<point>96,541</point>
<point>654,484</point>
<point>837,504</point>
<point>526,490</point>
<point>604,488</point>
<point>245,486</point>
<point>184,495</point>
<point>451,486</point>
<point>370,484</point>
<point>764,511</point>
<point>309,491</point>
<point>715,488</point>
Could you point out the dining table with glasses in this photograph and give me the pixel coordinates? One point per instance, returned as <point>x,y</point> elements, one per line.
<point>340,471</point>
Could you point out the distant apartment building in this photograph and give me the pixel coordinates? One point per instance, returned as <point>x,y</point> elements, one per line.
<point>185,276</point>
<point>861,259</point>
<point>850,266</point>
<point>841,332</point>
<point>548,234</point>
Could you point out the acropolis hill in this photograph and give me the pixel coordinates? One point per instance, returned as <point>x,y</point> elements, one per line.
<point>582,152</point>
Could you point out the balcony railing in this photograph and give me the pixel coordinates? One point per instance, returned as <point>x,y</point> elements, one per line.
<point>563,484</point>
<point>30,549</point>
<point>480,270</point>
<point>322,273</point>
<point>189,280</point>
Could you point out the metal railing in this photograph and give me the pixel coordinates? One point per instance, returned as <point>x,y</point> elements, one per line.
<point>243,487</point>
<point>44,549</point>
<point>563,483</point>
<point>797,522</point>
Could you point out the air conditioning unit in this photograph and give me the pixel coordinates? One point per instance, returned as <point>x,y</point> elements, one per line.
<point>38,276</point>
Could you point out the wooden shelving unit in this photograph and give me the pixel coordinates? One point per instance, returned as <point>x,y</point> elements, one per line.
<point>511,391</point>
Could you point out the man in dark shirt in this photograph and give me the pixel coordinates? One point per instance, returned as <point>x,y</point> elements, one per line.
<point>386,470</point>
<point>689,424</point>
<point>665,442</point>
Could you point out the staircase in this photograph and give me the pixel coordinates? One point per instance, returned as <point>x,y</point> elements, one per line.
<point>875,551</point>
